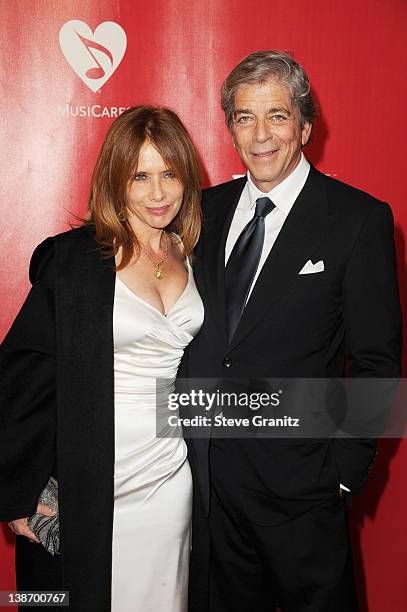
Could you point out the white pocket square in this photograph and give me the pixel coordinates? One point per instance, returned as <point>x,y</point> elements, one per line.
<point>311,268</point>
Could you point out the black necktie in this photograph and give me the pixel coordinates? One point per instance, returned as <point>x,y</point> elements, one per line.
<point>242,264</point>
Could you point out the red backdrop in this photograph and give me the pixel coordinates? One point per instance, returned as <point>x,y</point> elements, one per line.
<point>177,54</point>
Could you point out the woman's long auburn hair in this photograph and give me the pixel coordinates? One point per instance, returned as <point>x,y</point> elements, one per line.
<point>117,162</point>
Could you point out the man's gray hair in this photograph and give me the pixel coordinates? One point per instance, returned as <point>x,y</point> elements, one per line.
<point>259,67</point>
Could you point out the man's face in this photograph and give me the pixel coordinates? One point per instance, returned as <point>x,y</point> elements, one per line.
<point>267,132</point>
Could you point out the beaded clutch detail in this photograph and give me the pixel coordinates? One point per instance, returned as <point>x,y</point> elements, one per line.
<point>46,528</point>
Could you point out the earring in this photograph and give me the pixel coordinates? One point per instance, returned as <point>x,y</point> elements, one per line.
<point>122,215</point>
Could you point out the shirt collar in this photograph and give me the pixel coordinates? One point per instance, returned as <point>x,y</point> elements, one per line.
<point>285,193</point>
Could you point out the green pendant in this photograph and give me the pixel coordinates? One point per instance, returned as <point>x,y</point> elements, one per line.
<point>158,274</point>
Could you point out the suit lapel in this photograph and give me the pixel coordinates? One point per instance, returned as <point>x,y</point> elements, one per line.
<point>299,238</point>
<point>212,248</point>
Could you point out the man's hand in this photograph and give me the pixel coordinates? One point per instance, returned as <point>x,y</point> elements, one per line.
<point>20,527</point>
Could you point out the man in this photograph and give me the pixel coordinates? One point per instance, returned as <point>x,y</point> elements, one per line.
<point>298,276</point>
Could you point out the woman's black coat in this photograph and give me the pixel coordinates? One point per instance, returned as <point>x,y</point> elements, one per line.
<point>57,407</point>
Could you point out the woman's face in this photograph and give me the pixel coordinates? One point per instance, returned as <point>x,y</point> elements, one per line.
<point>154,194</point>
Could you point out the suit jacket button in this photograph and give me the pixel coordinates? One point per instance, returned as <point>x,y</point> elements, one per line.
<point>227,362</point>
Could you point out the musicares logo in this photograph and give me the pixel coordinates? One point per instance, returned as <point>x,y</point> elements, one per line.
<point>93,55</point>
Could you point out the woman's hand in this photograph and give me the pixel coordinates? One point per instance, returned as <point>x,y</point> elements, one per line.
<point>20,526</point>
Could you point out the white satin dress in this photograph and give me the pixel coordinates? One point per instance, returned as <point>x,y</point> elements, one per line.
<point>152,482</point>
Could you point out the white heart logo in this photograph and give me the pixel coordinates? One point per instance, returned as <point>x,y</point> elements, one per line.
<point>93,55</point>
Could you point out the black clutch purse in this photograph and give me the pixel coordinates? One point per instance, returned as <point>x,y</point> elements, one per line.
<point>46,528</point>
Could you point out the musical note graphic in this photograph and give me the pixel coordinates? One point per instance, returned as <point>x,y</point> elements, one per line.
<point>93,55</point>
<point>96,72</point>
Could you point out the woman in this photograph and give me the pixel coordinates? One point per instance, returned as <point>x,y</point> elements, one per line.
<point>112,307</point>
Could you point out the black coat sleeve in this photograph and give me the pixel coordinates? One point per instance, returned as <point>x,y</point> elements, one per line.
<point>28,393</point>
<point>372,315</point>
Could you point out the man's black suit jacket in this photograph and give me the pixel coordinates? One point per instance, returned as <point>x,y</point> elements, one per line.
<point>300,325</point>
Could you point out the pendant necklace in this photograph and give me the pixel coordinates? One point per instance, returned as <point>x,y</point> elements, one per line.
<point>157,265</point>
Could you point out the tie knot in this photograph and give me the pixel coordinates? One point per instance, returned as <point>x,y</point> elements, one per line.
<point>264,206</point>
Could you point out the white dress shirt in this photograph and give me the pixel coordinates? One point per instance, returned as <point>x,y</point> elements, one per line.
<point>283,196</point>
